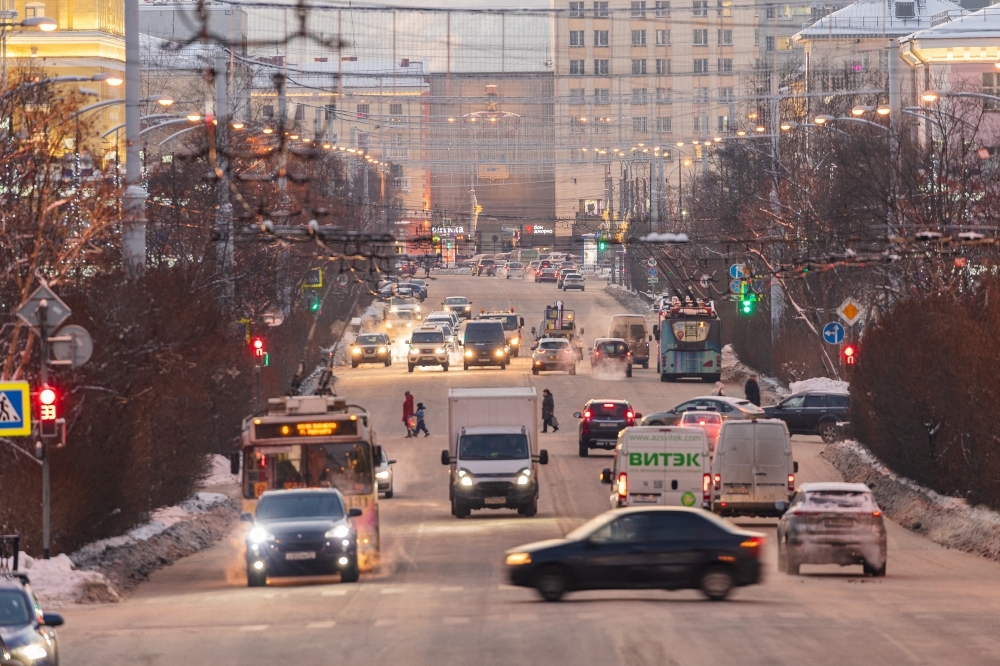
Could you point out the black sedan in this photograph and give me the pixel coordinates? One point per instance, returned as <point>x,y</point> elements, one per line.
<point>813,413</point>
<point>301,532</point>
<point>371,348</point>
<point>668,548</point>
<point>29,636</point>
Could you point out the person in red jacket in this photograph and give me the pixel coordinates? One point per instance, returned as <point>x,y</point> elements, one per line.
<point>408,413</point>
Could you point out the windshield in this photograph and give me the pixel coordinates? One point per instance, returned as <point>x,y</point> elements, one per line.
<point>368,340</point>
<point>13,608</point>
<point>429,338</point>
<point>493,447</point>
<point>300,505</point>
<point>483,333</point>
<point>401,301</point>
<point>346,466</point>
<point>553,344</point>
<point>509,322</point>
<point>615,409</point>
<point>402,314</point>
<point>456,301</point>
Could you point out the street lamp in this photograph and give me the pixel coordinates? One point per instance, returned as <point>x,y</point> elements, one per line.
<point>8,19</point>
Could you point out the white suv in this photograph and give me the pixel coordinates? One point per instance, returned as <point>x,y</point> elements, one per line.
<point>427,347</point>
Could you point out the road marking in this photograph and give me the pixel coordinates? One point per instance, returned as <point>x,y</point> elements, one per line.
<point>384,623</point>
<point>321,625</point>
<point>456,620</point>
<point>393,590</point>
<point>451,588</point>
<point>333,593</point>
<point>254,627</point>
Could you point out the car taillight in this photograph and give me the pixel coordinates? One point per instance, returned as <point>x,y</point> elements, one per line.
<point>718,482</point>
<point>586,414</point>
<point>876,514</point>
<point>629,415</point>
<point>754,545</point>
<point>791,483</point>
<point>706,487</point>
<point>622,485</point>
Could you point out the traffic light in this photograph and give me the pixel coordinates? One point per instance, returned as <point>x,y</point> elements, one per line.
<point>258,347</point>
<point>314,302</point>
<point>747,303</point>
<point>602,245</point>
<point>48,410</point>
<point>850,353</point>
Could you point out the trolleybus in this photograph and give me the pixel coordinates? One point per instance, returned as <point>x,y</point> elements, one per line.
<point>689,334</point>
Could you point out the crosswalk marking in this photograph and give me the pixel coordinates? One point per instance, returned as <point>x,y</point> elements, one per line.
<point>333,593</point>
<point>326,624</point>
<point>254,627</point>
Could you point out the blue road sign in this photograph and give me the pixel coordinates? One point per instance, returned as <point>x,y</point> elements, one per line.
<point>833,333</point>
<point>736,286</point>
<point>15,409</point>
<point>737,271</point>
<point>652,272</point>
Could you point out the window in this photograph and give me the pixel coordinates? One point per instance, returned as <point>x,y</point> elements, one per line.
<point>723,123</point>
<point>701,37</point>
<point>815,401</point>
<point>331,111</point>
<point>602,96</point>
<point>661,66</point>
<point>664,125</point>
<point>816,13</point>
<point>601,68</point>
<point>701,65</point>
<point>576,38</point>
<point>725,95</point>
<point>363,110</point>
<point>267,111</point>
<point>638,38</point>
<point>638,67</point>
<point>725,65</point>
<point>577,125</point>
<point>639,96</point>
<point>724,7</point>
<point>756,37</point>
<point>785,44</point>
<point>600,10</point>
<point>697,124</point>
<point>34,10</point>
<point>770,12</point>
<point>576,95</point>
<point>991,86</point>
<point>600,38</point>
<point>664,95</point>
<point>639,9</point>
<point>769,43</point>
<point>725,38</point>
<point>837,400</point>
<point>630,528</point>
<point>395,109</point>
<point>662,8</point>
<point>678,526</point>
<point>699,8</point>
<point>576,67</point>
<point>602,126</point>
<point>703,95</point>
<point>639,126</point>
<point>576,10</point>
<point>794,402</point>
<point>300,112</point>
<point>785,12</point>
<point>662,37</point>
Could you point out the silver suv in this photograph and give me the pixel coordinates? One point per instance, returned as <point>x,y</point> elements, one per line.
<point>427,347</point>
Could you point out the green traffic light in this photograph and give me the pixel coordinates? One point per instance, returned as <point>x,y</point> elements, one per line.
<point>747,304</point>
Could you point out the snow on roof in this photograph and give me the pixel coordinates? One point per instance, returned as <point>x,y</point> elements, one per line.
<point>984,24</point>
<point>371,75</point>
<point>879,18</point>
<point>819,385</point>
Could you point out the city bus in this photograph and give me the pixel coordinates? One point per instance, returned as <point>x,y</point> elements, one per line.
<point>316,442</point>
<point>689,336</point>
<point>524,255</point>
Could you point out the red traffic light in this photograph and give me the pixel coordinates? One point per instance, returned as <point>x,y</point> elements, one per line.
<point>48,411</point>
<point>47,396</point>
<point>257,345</point>
<point>850,354</point>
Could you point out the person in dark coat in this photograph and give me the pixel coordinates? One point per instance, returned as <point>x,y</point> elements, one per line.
<point>548,411</point>
<point>408,412</point>
<point>752,391</point>
<point>421,426</point>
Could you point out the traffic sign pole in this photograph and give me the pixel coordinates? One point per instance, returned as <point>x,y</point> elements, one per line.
<point>43,313</point>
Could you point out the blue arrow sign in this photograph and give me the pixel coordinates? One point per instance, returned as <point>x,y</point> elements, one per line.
<point>736,286</point>
<point>737,271</point>
<point>652,272</point>
<point>15,409</point>
<point>833,333</point>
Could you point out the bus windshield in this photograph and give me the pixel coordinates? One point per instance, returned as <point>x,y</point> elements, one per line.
<point>346,466</point>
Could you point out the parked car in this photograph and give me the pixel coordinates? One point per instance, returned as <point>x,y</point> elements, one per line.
<point>28,633</point>
<point>812,413</point>
<point>574,281</point>
<point>383,475</point>
<point>601,421</point>
<point>610,354</point>
<point>669,548</point>
<point>371,348</point>
<point>729,407</point>
<point>832,523</point>
<point>710,422</point>
<point>553,354</point>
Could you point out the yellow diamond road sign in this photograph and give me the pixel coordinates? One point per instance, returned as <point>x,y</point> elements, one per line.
<point>849,311</point>
<point>15,409</point>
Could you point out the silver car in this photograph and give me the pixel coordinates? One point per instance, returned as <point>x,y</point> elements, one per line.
<point>383,474</point>
<point>832,523</point>
<point>574,281</point>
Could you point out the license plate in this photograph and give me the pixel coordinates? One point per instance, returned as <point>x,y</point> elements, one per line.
<point>738,490</point>
<point>301,555</point>
<point>838,522</point>
<point>553,358</point>
<point>644,499</point>
<point>495,500</point>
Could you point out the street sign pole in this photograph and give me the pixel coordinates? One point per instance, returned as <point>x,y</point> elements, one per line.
<point>43,312</point>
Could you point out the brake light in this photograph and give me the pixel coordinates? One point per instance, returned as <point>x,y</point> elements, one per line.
<point>629,415</point>
<point>754,544</point>
<point>791,483</point>
<point>706,487</point>
<point>718,482</point>
<point>586,414</point>
<point>622,485</point>
<point>609,405</point>
<point>876,514</point>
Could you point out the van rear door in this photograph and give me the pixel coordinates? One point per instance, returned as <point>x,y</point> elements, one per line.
<point>736,458</point>
<point>771,454</point>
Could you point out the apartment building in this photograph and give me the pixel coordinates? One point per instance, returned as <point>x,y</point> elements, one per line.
<point>632,79</point>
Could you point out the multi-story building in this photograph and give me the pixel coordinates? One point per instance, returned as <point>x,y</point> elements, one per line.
<point>635,78</point>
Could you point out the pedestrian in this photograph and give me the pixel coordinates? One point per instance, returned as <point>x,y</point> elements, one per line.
<point>720,389</point>
<point>408,413</point>
<point>420,420</point>
<point>549,412</point>
<point>752,390</point>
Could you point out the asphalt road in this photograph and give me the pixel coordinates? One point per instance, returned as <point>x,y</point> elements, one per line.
<point>440,596</point>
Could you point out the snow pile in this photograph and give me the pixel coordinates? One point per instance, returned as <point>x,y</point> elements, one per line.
<point>665,238</point>
<point>733,371</point>
<point>949,521</point>
<point>219,473</point>
<point>632,302</point>
<point>819,384</point>
<point>57,581</point>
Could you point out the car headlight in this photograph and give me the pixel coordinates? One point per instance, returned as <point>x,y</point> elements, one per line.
<point>500,352</point>
<point>439,350</point>
<point>468,353</point>
<point>447,309</point>
<point>417,308</point>
<point>515,341</point>
<point>468,307</point>
<point>382,350</point>
<point>524,477</point>
<point>466,481</point>
<point>409,324</point>
<point>338,532</point>
<point>356,350</point>
<point>388,324</point>
<point>259,535</point>
<point>31,652</point>
<point>384,474</point>
<point>393,309</point>
<point>517,559</point>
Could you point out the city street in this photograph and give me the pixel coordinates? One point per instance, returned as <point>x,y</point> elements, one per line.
<point>440,595</point>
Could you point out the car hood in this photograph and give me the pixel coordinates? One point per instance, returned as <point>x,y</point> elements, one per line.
<point>19,635</point>
<point>538,546</point>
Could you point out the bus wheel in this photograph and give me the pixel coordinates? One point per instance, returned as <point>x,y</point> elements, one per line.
<point>350,574</point>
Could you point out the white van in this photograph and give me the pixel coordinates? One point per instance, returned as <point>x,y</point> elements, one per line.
<point>657,465</point>
<point>632,329</point>
<point>753,473</point>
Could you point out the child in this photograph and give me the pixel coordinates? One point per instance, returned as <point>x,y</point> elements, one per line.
<point>420,421</point>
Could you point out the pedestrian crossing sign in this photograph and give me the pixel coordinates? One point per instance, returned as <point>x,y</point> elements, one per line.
<point>15,409</point>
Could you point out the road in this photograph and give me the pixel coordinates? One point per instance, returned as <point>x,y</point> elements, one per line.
<point>440,596</point>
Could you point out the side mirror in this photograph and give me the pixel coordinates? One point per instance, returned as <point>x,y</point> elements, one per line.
<point>377,453</point>
<point>651,338</point>
<point>543,457</point>
<point>795,467</point>
<point>445,458</point>
<point>577,415</point>
<point>522,321</point>
<point>606,476</point>
<point>656,331</point>
<point>354,513</point>
<point>246,518</point>
<point>392,461</point>
<point>52,619</point>
<point>638,415</point>
<point>234,462</point>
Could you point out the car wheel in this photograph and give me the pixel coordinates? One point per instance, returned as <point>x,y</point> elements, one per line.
<point>445,367</point>
<point>388,363</point>
<point>350,573</point>
<point>716,583</point>
<point>388,494</point>
<point>256,578</point>
<point>354,365</point>
<point>465,366</point>
<point>534,371</point>
<point>572,370</point>
<point>551,583</point>
<point>584,449</point>
<point>628,371</point>
<point>529,509</point>
<point>791,566</point>
<point>503,366</point>
<point>459,509</point>
<point>872,571</point>
<point>410,367</point>
<point>828,431</point>
<point>645,366</point>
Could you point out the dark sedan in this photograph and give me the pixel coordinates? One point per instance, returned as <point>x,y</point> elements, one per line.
<point>546,275</point>
<point>28,634</point>
<point>668,548</point>
<point>371,348</point>
<point>813,413</point>
<point>301,532</point>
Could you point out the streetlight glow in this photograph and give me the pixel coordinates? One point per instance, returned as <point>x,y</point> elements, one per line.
<point>785,126</point>
<point>237,125</point>
<point>883,110</point>
<point>930,96</point>
<point>822,120</point>
<point>267,130</point>
<point>861,110</point>
<point>760,128</point>
<point>193,117</point>
<point>741,132</point>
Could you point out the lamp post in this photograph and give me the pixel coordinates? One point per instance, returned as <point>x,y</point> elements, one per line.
<point>134,197</point>
<point>8,19</point>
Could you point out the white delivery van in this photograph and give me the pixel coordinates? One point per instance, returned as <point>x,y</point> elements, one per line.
<point>493,453</point>
<point>753,473</point>
<point>632,329</point>
<point>660,465</point>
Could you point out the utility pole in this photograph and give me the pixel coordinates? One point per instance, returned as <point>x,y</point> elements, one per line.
<point>134,198</point>
<point>224,214</point>
<point>43,375</point>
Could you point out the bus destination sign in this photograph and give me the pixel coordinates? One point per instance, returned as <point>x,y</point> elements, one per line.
<point>292,429</point>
